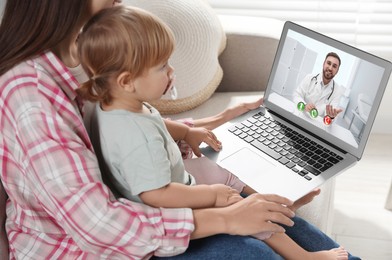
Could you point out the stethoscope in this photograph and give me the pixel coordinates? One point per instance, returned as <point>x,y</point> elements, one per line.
<point>315,83</point>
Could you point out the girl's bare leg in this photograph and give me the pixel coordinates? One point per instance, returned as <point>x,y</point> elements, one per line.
<point>288,249</point>
<point>305,199</point>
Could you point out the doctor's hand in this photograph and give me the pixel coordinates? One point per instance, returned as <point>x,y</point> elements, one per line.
<point>309,107</point>
<point>332,112</point>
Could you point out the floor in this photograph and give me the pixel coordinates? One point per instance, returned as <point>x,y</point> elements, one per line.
<point>361,223</point>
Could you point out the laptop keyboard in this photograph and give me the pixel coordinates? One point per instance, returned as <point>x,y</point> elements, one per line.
<point>290,148</point>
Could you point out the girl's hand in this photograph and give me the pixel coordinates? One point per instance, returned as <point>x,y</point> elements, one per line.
<point>225,195</point>
<point>196,135</point>
<point>228,114</point>
<point>243,108</point>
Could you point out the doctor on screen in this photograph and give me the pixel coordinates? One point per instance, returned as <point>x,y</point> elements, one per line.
<point>320,93</point>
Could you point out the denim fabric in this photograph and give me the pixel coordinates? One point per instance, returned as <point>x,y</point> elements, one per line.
<point>237,247</point>
<point>227,247</point>
<point>311,238</point>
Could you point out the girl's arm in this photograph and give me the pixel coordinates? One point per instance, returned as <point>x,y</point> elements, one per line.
<point>177,130</point>
<point>194,136</point>
<point>228,114</point>
<point>176,195</point>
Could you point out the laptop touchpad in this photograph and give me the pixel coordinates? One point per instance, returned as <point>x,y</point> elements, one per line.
<point>249,167</point>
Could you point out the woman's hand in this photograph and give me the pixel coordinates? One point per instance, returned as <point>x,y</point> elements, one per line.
<point>259,213</point>
<point>254,214</point>
<point>196,135</point>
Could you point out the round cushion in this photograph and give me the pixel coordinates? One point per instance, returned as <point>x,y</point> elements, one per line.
<point>199,41</point>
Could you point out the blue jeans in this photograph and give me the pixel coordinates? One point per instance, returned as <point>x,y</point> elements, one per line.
<point>238,247</point>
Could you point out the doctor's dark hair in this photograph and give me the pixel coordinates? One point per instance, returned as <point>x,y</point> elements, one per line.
<point>29,28</point>
<point>121,39</point>
<point>335,55</point>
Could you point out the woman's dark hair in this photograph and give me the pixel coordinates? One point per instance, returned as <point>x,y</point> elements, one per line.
<point>31,27</point>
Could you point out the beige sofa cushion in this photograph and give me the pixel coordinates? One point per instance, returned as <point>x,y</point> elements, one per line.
<point>200,39</point>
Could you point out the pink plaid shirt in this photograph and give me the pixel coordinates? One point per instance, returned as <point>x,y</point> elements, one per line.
<point>58,206</point>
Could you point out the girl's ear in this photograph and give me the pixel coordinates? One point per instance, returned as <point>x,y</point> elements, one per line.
<point>125,81</point>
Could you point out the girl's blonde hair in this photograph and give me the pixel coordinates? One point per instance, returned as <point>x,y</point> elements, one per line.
<point>121,39</point>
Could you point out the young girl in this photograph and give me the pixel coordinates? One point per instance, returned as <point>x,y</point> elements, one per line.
<point>125,52</point>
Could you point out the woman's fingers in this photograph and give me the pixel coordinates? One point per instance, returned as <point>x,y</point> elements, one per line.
<point>258,213</point>
<point>274,198</point>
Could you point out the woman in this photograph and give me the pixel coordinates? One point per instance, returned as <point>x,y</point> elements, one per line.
<point>58,206</point>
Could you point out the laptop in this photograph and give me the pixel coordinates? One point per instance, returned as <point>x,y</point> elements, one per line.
<point>280,148</point>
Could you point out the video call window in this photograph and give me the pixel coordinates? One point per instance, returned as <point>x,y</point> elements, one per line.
<point>351,90</point>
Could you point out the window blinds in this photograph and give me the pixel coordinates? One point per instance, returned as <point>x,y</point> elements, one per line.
<point>366,24</point>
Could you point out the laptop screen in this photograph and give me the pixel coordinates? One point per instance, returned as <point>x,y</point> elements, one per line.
<point>330,89</point>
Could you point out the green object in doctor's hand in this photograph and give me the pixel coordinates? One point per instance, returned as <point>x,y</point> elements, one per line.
<point>313,113</point>
<point>301,106</point>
